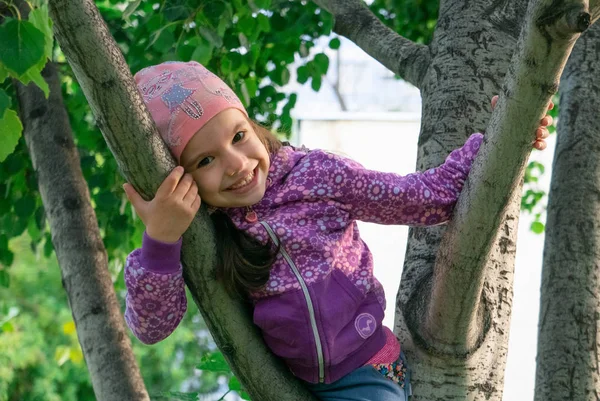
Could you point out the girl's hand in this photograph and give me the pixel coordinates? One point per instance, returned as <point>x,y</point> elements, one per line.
<point>173,208</point>
<point>541,133</point>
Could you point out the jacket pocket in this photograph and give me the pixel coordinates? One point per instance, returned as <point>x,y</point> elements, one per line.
<point>285,325</point>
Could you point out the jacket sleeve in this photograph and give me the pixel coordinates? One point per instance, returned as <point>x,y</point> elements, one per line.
<point>418,199</point>
<point>155,300</point>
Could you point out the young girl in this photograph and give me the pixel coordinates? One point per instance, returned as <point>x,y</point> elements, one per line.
<point>286,233</point>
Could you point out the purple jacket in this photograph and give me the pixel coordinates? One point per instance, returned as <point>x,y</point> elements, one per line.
<point>321,310</point>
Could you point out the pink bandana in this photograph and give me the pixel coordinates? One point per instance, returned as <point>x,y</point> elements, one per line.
<point>181,98</point>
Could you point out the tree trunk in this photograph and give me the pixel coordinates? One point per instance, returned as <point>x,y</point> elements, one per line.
<point>145,161</point>
<point>76,238</point>
<point>454,303</point>
<point>568,341</point>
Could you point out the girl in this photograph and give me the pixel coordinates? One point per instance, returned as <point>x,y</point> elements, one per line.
<point>287,234</point>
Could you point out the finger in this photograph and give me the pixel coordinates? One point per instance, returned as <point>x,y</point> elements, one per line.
<point>183,187</point>
<point>540,145</point>
<point>191,194</point>
<point>546,121</point>
<point>551,105</point>
<point>196,203</point>
<point>170,183</point>
<point>494,101</point>
<point>132,195</point>
<point>541,133</point>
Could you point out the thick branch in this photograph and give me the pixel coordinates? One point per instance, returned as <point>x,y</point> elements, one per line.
<point>354,20</point>
<point>455,313</point>
<point>145,161</point>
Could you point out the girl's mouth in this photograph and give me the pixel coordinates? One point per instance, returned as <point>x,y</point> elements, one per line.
<point>245,184</point>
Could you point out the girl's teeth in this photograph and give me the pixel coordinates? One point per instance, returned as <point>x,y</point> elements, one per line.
<point>245,182</point>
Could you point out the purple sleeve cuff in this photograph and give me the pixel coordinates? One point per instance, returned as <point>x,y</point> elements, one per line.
<point>160,257</point>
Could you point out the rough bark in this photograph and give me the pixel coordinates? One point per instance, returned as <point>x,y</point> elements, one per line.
<point>76,238</point>
<point>145,161</point>
<point>568,341</point>
<point>472,45</point>
<point>454,307</point>
<point>354,20</point>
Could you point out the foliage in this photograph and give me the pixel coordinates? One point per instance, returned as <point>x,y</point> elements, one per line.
<point>413,19</point>
<point>25,46</point>
<point>40,358</point>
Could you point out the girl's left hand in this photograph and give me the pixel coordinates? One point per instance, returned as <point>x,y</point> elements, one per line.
<point>541,133</point>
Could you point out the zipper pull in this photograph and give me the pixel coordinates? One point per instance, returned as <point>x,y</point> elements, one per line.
<point>251,216</point>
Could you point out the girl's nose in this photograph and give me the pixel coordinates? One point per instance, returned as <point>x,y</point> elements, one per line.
<point>236,163</point>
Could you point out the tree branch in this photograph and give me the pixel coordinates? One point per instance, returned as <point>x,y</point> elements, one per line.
<point>145,161</point>
<point>455,314</point>
<point>354,20</point>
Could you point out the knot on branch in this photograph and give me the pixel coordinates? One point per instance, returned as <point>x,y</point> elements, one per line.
<point>565,20</point>
<point>580,21</point>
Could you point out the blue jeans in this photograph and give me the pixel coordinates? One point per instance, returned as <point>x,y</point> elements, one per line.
<point>364,384</point>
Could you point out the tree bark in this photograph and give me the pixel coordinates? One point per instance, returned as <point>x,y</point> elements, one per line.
<point>145,161</point>
<point>454,303</point>
<point>76,238</point>
<point>568,341</point>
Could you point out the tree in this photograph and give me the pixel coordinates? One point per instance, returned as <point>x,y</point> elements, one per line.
<point>457,74</point>
<point>455,308</point>
<point>76,238</point>
<point>568,323</point>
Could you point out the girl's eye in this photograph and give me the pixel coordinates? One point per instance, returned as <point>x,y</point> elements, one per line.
<point>205,161</point>
<point>238,137</point>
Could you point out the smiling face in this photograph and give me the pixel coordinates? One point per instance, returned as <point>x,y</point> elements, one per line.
<point>228,161</point>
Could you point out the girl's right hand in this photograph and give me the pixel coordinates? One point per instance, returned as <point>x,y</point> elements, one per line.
<point>173,208</point>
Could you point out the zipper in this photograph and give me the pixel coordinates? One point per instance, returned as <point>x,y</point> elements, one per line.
<point>309,304</point>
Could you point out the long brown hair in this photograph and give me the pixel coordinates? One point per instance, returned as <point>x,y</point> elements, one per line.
<point>243,263</point>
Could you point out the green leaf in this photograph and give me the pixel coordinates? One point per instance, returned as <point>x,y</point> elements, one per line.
<point>4,279</point>
<point>321,62</point>
<point>7,327</point>
<point>247,25</point>
<point>48,246</point>
<point>34,74</point>
<point>10,132</point>
<point>213,12</point>
<point>21,45</point>
<point>263,23</point>
<point>251,86</point>
<point>25,206</point>
<point>537,227</point>
<point>202,53</point>
<point>6,255</point>
<point>214,362</point>
<point>316,83</point>
<point>4,102</point>
<point>3,73</point>
<point>234,384</point>
<point>334,43</point>
<point>41,20</point>
<point>303,74</point>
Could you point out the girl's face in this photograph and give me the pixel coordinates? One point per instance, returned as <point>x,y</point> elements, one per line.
<point>228,161</point>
